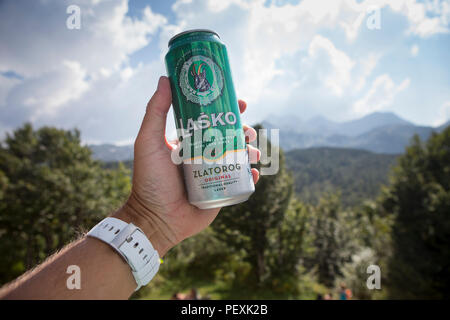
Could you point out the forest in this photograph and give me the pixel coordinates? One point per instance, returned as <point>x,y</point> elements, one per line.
<point>318,223</point>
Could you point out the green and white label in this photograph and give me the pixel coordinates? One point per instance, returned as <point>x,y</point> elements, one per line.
<point>201,80</point>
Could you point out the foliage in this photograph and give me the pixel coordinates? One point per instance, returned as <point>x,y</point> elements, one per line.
<point>248,226</point>
<point>334,241</point>
<point>419,199</point>
<point>356,174</point>
<point>50,188</point>
<point>275,245</point>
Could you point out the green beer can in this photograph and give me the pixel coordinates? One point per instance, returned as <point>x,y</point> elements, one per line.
<point>212,143</point>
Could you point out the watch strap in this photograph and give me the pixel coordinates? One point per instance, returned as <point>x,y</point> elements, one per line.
<point>132,244</point>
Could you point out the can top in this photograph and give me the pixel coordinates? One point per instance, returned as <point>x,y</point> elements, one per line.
<point>191,31</point>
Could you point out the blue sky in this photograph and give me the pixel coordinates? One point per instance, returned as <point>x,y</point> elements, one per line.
<point>306,58</point>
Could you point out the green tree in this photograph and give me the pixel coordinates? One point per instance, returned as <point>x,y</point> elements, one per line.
<point>50,189</point>
<point>289,244</point>
<point>247,226</point>
<point>334,231</point>
<point>419,199</point>
<point>373,229</point>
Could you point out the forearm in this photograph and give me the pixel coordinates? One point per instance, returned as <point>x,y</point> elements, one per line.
<point>103,272</point>
<point>103,275</point>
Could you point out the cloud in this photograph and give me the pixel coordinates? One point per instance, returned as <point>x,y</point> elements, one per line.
<point>6,84</point>
<point>282,57</point>
<point>426,19</point>
<point>41,96</point>
<point>365,65</point>
<point>41,39</point>
<point>380,96</point>
<point>443,114</point>
<point>59,68</point>
<point>414,50</point>
<point>341,64</point>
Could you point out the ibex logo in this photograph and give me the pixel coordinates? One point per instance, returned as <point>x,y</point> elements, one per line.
<point>201,80</point>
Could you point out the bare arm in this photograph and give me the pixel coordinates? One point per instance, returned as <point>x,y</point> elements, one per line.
<point>157,205</point>
<point>103,273</point>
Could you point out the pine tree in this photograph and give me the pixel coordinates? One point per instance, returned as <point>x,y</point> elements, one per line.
<point>334,242</point>
<point>50,189</point>
<point>419,199</point>
<point>246,226</point>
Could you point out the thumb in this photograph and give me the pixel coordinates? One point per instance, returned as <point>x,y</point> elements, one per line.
<point>154,124</point>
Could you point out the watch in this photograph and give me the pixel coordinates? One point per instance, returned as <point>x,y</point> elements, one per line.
<point>132,244</point>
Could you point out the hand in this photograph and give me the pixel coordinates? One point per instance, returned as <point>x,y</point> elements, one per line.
<point>158,203</point>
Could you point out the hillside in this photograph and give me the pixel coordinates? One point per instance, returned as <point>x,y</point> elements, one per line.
<point>357,174</point>
<point>381,132</point>
<point>111,153</point>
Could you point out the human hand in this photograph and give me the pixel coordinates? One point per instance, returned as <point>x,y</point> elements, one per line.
<point>158,202</point>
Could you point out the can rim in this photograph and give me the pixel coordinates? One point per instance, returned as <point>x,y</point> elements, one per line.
<point>191,31</point>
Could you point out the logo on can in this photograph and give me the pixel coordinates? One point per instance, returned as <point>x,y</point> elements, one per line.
<point>201,80</point>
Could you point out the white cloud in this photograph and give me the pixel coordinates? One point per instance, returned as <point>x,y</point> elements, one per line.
<point>106,38</point>
<point>59,66</point>
<point>281,57</point>
<point>425,18</point>
<point>366,65</point>
<point>6,85</point>
<point>443,114</point>
<point>57,88</point>
<point>380,96</point>
<point>414,50</point>
<point>341,64</point>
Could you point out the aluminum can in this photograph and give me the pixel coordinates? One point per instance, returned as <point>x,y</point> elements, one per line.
<point>213,149</point>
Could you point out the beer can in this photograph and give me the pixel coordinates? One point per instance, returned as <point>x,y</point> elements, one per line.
<point>213,149</point>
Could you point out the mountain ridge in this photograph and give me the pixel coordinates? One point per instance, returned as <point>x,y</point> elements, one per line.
<point>379,132</point>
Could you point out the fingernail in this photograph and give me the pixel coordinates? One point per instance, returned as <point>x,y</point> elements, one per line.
<point>159,83</point>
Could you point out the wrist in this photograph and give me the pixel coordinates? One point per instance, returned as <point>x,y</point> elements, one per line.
<point>132,212</point>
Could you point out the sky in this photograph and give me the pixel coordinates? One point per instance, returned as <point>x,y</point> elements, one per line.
<point>341,59</point>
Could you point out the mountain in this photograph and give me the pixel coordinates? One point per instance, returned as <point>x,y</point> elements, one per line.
<point>322,125</point>
<point>289,121</point>
<point>389,139</point>
<point>381,132</point>
<point>442,127</point>
<point>357,174</point>
<point>370,122</point>
<point>112,153</point>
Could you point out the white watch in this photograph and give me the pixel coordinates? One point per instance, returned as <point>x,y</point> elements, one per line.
<point>132,244</point>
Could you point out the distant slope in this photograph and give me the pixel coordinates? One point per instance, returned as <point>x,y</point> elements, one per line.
<point>370,122</point>
<point>381,132</point>
<point>358,174</point>
<point>387,139</point>
<point>111,153</point>
<point>390,139</point>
